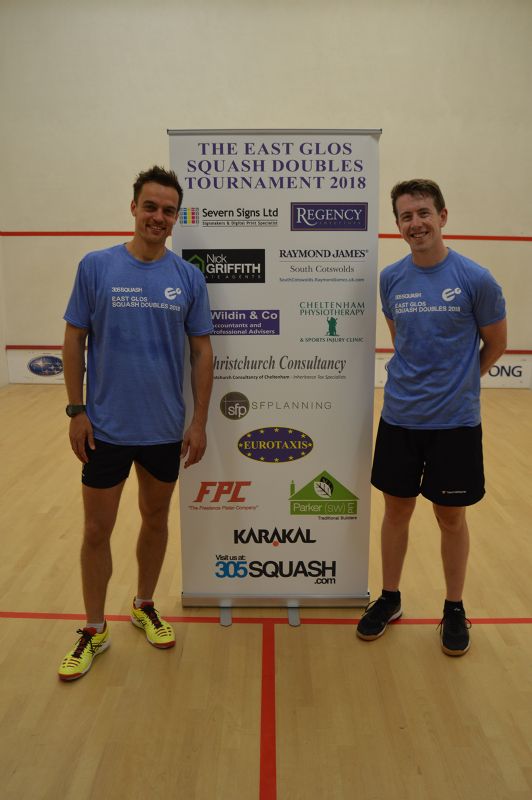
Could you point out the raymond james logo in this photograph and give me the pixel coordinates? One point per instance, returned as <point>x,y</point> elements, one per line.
<point>328,216</point>
<point>450,294</point>
<point>324,496</point>
<point>44,366</point>
<point>275,537</point>
<point>275,445</point>
<point>229,266</point>
<point>189,216</point>
<point>246,322</point>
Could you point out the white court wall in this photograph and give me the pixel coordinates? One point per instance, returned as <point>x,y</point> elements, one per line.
<point>88,91</point>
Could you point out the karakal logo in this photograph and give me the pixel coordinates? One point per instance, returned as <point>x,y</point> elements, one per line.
<point>328,216</point>
<point>275,445</point>
<point>323,496</point>
<point>229,266</point>
<point>45,366</point>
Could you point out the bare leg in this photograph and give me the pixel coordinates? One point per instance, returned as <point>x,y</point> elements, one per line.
<point>454,547</point>
<point>101,508</point>
<point>154,505</point>
<point>394,538</point>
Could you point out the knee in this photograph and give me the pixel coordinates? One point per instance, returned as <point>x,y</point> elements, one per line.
<point>450,519</point>
<point>96,533</point>
<point>154,517</point>
<point>398,510</point>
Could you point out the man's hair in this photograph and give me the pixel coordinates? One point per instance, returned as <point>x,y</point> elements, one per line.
<point>166,177</point>
<point>418,187</point>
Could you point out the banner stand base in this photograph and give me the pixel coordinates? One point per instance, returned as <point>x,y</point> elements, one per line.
<point>291,603</point>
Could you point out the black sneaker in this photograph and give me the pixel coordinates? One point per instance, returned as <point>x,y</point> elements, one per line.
<point>376,618</point>
<point>454,632</point>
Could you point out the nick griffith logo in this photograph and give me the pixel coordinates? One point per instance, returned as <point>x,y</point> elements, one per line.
<point>229,266</point>
<point>189,216</point>
<point>328,216</point>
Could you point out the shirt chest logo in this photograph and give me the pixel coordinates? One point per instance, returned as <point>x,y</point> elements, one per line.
<point>171,293</point>
<point>450,294</point>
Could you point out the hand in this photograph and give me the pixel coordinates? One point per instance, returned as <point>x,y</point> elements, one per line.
<point>194,444</point>
<point>80,433</point>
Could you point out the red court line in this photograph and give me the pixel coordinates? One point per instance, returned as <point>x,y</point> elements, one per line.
<point>66,233</point>
<point>266,621</point>
<point>268,761</point>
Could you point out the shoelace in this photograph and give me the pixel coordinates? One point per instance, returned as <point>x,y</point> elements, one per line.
<point>455,618</point>
<point>85,639</point>
<point>151,613</point>
<point>380,610</point>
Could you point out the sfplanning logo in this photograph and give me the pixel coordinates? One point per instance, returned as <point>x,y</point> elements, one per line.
<point>234,405</point>
<point>229,265</point>
<point>328,216</point>
<point>323,496</point>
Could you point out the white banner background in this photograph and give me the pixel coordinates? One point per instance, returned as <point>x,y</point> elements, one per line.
<point>278,510</point>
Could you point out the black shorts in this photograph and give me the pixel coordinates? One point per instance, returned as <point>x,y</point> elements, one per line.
<point>445,465</point>
<point>110,464</point>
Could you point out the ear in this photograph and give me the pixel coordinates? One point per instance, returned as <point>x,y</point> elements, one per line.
<point>133,207</point>
<point>443,217</point>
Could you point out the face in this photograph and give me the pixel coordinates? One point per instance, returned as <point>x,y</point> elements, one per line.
<point>420,225</point>
<point>155,212</point>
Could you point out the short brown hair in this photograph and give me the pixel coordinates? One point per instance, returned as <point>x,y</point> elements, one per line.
<point>418,187</point>
<point>166,177</point>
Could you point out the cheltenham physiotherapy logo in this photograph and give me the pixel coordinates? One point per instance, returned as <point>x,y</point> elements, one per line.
<point>323,496</point>
<point>189,216</point>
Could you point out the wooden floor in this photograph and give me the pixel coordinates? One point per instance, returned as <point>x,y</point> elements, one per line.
<point>260,710</point>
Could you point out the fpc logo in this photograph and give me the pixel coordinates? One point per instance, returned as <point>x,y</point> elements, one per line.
<point>214,491</point>
<point>323,496</point>
<point>189,216</point>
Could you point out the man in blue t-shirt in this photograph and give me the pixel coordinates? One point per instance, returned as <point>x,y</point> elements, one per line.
<point>135,305</point>
<point>447,320</point>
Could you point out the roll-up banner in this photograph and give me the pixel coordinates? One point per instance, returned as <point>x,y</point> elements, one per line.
<point>284,226</point>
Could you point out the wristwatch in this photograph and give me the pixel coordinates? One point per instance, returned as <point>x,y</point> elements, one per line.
<point>73,410</point>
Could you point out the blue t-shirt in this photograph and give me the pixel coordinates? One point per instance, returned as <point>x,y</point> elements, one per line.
<point>434,376</point>
<point>138,316</point>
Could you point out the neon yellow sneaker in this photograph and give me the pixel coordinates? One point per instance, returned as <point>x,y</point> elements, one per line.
<point>79,660</point>
<point>158,632</point>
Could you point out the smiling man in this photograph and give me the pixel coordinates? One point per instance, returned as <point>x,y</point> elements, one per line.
<point>136,304</point>
<point>446,316</point>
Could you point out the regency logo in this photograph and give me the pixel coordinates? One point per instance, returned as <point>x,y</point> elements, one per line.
<point>275,445</point>
<point>229,266</point>
<point>328,216</point>
<point>323,496</point>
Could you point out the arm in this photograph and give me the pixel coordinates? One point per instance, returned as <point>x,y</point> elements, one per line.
<point>493,344</point>
<point>80,431</point>
<point>391,326</point>
<point>201,376</point>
